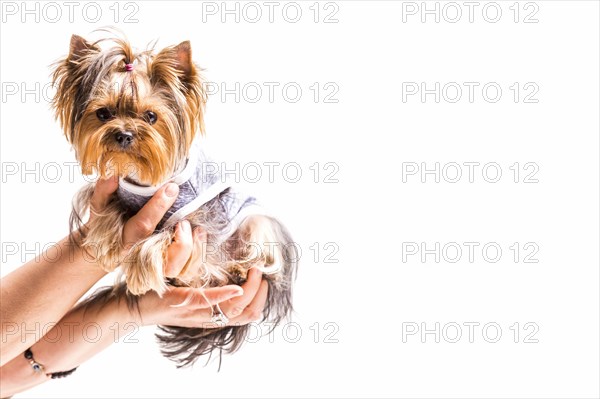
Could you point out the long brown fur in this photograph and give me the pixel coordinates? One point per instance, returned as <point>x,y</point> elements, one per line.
<point>169,84</point>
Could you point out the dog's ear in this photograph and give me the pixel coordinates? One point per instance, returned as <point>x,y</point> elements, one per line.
<point>173,68</point>
<point>80,47</point>
<point>67,79</point>
<point>183,58</point>
<point>175,60</point>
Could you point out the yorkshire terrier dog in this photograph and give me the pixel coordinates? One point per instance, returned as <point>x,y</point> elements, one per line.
<point>139,115</point>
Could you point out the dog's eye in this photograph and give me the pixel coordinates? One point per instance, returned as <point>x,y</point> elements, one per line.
<point>104,114</point>
<point>150,117</point>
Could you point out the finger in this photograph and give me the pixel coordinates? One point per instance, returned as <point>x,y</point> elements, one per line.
<point>144,222</point>
<point>180,250</point>
<point>236,306</point>
<point>206,298</point>
<point>102,192</point>
<point>254,311</point>
<point>199,238</point>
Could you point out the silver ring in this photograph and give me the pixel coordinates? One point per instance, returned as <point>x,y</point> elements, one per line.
<point>218,316</point>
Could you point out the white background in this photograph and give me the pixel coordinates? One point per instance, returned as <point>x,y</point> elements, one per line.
<point>375,289</point>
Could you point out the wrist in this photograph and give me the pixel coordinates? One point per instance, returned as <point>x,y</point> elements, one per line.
<point>149,307</point>
<point>76,260</point>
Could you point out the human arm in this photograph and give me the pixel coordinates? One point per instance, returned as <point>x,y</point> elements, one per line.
<point>114,318</point>
<point>43,290</point>
<point>68,344</point>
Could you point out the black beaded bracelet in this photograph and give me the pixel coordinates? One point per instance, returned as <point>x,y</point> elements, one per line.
<point>38,367</point>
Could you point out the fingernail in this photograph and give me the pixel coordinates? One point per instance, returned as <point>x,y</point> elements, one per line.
<point>238,292</point>
<point>185,226</point>
<point>172,190</point>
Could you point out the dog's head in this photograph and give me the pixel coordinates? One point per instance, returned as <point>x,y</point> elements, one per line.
<point>129,113</point>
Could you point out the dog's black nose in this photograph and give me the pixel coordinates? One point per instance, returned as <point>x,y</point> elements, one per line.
<point>124,139</point>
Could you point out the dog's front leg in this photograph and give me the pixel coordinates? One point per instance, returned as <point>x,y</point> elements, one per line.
<point>102,236</point>
<point>144,264</point>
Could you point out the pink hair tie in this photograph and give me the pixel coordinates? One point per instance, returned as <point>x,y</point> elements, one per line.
<point>129,67</point>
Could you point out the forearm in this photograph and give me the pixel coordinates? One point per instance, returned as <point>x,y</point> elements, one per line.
<point>40,293</point>
<point>81,334</point>
<point>88,329</point>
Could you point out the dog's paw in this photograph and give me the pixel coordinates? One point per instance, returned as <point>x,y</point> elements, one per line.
<point>143,266</point>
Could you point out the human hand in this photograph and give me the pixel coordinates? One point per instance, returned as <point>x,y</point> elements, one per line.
<point>142,224</point>
<point>186,246</point>
<point>184,306</point>
<point>193,307</point>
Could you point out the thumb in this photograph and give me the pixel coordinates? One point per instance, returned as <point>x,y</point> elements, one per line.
<point>102,192</point>
<point>145,221</point>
